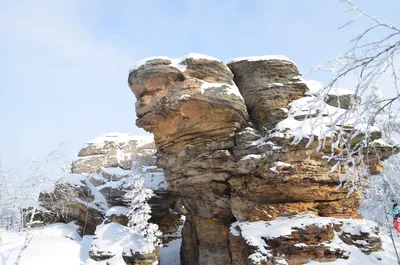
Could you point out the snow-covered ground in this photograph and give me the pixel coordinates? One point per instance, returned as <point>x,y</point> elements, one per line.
<point>60,244</point>
<point>54,244</point>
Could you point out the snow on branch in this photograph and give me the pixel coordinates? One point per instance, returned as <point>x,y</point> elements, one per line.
<point>372,114</point>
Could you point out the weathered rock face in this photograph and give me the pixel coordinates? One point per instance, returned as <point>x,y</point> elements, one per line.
<point>268,86</point>
<point>74,202</point>
<point>100,179</point>
<point>304,237</point>
<point>102,152</point>
<point>224,163</point>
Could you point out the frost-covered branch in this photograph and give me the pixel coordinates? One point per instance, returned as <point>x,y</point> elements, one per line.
<point>41,175</point>
<point>372,57</point>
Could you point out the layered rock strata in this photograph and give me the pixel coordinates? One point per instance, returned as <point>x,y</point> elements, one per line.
<point>224,135</point>
<point>93,194</point>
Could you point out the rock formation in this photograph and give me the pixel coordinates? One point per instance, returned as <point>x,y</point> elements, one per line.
<point>223,134</point>
<point>92,196</point>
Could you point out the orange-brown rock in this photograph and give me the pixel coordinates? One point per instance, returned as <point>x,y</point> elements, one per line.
<point>267,86</point>
<point>224,163</point>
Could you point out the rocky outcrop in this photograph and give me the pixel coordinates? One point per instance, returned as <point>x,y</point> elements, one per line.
<point>305,237</point>
<point>224,137</point>
<point>74,200</point>
<point>93,197</point>
<point>113,150</point>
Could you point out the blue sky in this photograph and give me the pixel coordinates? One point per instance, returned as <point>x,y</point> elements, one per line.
<point>64,64</point>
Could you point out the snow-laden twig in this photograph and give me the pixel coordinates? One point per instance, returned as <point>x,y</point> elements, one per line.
<point>371,58</point>
<point>41,174</point>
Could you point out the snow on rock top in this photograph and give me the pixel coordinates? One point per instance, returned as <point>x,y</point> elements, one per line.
<point>59,230</point>
<point>340,91</point>
<point>228,89</point>
<point>252,232</point>
<point>261,58</point>
<point>121,138</point>
<point>115,239</point>
<point>198,56</point>
<point>257,234</point>
<point>177,62</point>
<point>316,88</point>
<point>74,180</point>
<point>141,62</point>
<point>312,116</point>
<point>117,210</point>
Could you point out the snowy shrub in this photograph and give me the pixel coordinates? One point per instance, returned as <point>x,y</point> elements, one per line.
<point>139,211</point>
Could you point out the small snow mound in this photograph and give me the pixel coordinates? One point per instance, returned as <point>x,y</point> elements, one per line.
<point>116,239</point>
<point>360,227</point>
<point>261,58</point>
<point>59,230</point>
<point>117,210</point>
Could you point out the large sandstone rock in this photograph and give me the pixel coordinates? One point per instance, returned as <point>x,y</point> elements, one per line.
<point>268,84</point>
<point>203,103</point>
<point>230,166</point>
